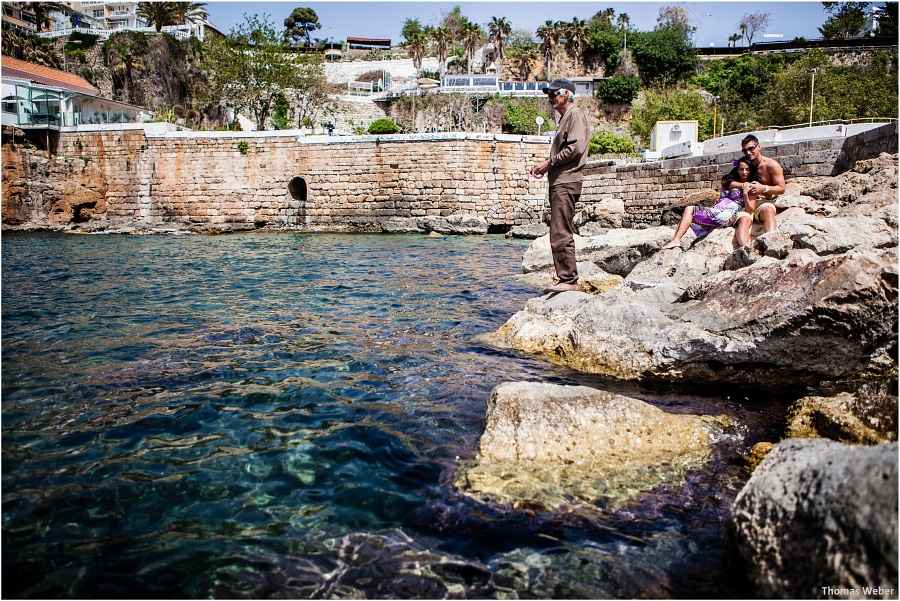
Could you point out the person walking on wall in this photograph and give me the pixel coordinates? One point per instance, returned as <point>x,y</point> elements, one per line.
<point>568,155</point>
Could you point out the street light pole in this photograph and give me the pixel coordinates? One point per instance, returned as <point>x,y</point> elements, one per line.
<point>715,108</point>
<point>812,90</point>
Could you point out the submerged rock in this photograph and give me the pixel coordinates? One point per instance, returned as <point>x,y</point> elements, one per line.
<point>867,415</point>
<point>817,514</point>
<point>551,443</point>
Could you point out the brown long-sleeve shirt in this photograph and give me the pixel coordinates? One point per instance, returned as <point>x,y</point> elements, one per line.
<point>569,150</point>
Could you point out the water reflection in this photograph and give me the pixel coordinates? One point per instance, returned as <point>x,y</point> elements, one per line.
<point>281,415</point>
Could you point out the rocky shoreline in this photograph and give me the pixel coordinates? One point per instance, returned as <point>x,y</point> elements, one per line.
<point>811,307</point>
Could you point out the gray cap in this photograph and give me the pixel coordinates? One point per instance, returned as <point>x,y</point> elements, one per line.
<point>560,84</point>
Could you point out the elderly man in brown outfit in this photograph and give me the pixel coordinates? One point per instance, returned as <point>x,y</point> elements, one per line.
<point>568,155</point>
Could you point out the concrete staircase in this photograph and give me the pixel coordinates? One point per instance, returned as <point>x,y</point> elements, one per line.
<point>357,111</point>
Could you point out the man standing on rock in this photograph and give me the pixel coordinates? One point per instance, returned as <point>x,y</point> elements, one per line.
<point>771,184</point>
<point>568,155</point>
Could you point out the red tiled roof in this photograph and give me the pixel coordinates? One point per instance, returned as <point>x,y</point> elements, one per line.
<point>355,39</point>
<point>13,67</point>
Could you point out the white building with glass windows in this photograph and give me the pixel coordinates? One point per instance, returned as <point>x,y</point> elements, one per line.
<point>37,97</point>
<point>102,18</point>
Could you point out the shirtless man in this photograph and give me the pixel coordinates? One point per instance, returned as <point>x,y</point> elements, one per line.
<point>770,186</point>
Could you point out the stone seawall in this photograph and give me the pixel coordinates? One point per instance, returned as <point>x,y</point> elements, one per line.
<point>257,179</point>
<point>271,178</point>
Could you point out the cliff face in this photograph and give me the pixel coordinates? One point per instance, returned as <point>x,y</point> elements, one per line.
<point>56,191</point>
<point>152,71</point>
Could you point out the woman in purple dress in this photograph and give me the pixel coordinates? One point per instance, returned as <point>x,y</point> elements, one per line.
<point>735,194</point>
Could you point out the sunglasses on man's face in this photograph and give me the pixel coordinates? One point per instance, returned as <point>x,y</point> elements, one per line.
<point>554,94</point>
<point>749,149</point>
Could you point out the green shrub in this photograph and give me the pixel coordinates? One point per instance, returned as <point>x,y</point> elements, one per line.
<point>619,90</point>
<point>669,104</point>
<point>383,126</point>
<point>280,113</point>
<point>242,146</point>
<point>607,143</point>
<point>520,114</point>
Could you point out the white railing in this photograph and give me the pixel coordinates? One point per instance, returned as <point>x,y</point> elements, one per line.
<point>360,88</point>
<point>468,89</point>
<point>59,33</point>
<point>836,122</point>
<point>179,34</point>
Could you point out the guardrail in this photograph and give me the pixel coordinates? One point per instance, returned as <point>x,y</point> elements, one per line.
<point>179,34</point>
<point>836,122</point>
<point>807,124</point>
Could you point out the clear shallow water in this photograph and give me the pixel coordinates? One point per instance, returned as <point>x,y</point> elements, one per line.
<point>280,415</point>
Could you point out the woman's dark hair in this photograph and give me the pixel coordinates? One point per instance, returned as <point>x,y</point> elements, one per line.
<point>733,174</point>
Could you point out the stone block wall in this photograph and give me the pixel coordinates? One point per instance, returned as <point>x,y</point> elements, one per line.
<point>648,188</point>
<point>246,178</point>
<point>275,178</point>
<point>867,145</point>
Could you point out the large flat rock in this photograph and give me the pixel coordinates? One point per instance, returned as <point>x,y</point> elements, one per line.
<point>550,442</point>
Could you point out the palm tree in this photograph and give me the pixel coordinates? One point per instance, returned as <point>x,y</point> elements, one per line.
<point>415,46</point>
<point>623,21</point>
<point>42,10</point>
<point>733,38</point>
<point>441,37</point>
<point>472,35</point>
<point>523,56</point>
<point>191,12</point>
<point>500,30</point>
<point>549,34</point>
<point>159,14</point>
<point>576,36</point>
<point>127,65</point>
<point>605,15</point>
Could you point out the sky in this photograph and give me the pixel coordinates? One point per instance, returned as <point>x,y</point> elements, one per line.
<point>714,21</point>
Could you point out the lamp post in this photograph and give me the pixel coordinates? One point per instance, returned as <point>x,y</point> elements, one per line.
<point>715,107</point>
<point>812,90</point>
<point>66,52</point>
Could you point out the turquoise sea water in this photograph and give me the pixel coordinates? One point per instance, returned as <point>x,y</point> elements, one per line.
<point>280,415</point>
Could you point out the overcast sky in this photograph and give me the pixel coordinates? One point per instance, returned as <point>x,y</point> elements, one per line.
<point>715,21</point>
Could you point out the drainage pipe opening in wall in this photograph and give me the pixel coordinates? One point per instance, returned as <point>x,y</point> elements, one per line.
<point>499,228</point>
<point>297,188</point>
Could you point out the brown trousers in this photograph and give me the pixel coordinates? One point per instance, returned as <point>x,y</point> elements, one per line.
<point>562,231</point>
